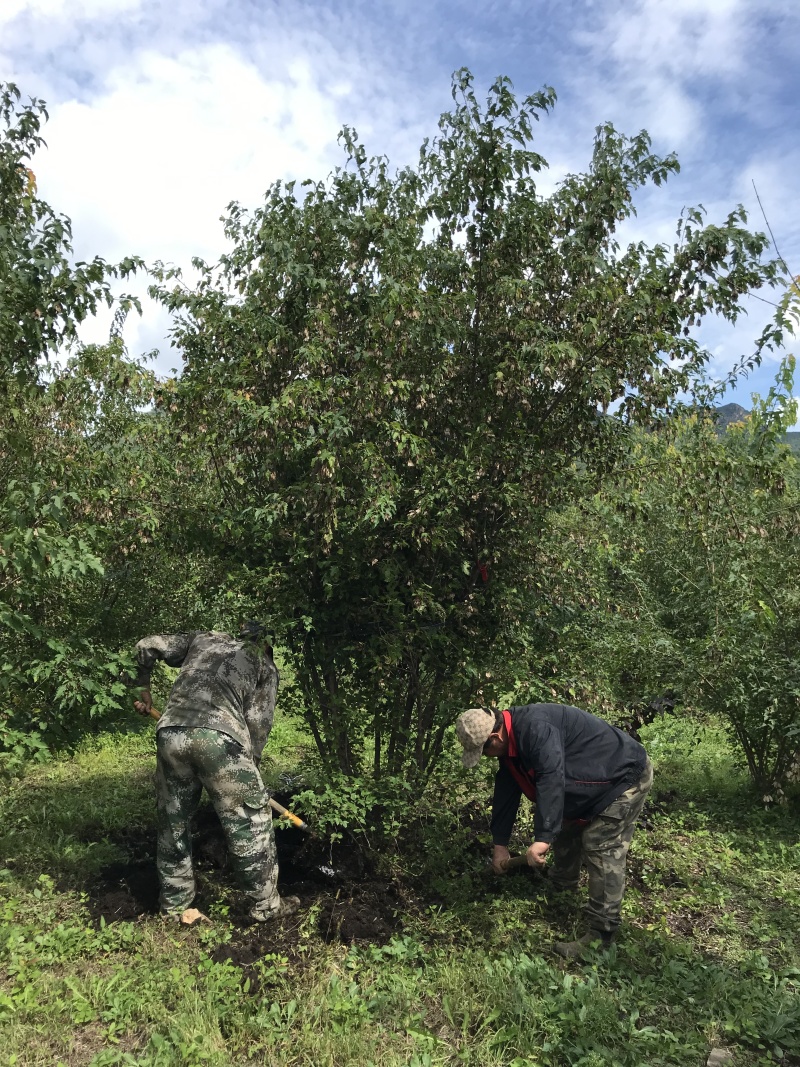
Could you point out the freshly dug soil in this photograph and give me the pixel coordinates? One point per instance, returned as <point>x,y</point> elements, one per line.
<point>339,883</point>
<point>355,903</point>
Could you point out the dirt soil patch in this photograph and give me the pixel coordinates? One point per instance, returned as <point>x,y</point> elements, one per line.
<point>354,902</point>
<point>339,884</point>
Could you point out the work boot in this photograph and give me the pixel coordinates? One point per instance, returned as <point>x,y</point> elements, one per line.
<point>600,940</point>
<point>286,906</point>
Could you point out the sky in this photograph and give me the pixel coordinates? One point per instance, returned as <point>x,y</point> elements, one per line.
<point>161,113</point>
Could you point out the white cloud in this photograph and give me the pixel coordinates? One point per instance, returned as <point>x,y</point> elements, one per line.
<point>155,159</point>
<point>149,165</point>
<point>652,63</point>
<point>680,36</point>
<point>69,9</point>
<point>157,124</point>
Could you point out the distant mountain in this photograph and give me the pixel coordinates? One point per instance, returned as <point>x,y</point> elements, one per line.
<point>727,414</point>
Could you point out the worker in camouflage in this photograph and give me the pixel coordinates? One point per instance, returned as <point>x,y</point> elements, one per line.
<point>212,735</point>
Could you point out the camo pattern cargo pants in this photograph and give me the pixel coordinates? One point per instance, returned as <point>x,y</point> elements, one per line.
<point>602,847</point>
<point>189,759</point>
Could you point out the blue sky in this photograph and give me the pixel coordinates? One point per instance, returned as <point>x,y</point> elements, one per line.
<point>161,113</point>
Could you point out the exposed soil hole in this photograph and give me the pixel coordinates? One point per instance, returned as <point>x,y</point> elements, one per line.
<point>369,916</point>
<point>354,902</point>
<point>124,891</point>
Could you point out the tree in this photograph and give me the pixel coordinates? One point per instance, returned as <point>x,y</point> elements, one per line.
<point>396,377</point>
<point>90,479</point>
<point>709,543</point>
<point>44,296</point>
<point>98,544</point>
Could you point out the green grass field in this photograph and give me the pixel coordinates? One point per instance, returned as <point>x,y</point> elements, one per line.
<point>456,968</point>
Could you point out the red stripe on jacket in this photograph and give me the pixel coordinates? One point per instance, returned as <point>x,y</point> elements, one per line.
<point>526,780</point>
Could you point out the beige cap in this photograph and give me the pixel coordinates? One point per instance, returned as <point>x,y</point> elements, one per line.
<point>472,730</point>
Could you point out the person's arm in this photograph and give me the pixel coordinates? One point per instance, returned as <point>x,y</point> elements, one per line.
<point>259,710</point>
<point>546,758</point>
<point>172,649</point>
<point>505,805</point>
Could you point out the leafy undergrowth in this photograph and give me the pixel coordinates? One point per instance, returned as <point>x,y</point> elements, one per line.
<point>413,955</point>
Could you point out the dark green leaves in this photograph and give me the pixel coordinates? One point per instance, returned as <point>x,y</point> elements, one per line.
<point>397,375</point>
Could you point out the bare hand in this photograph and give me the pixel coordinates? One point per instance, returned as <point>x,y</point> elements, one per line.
<point>500,857</point>
<point>537,853</point>
<point>145,705</point>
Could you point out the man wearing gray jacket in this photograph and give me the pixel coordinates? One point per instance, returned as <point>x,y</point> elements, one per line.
<point>212,734</point>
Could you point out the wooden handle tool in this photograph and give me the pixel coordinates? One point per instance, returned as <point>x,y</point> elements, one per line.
<point>515,861</point>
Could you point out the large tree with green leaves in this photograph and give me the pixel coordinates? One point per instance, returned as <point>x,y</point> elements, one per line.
<point>710,547</point>
<point>397,374</point>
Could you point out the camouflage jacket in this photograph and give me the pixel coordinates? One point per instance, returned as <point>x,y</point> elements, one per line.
<point>226,684</point>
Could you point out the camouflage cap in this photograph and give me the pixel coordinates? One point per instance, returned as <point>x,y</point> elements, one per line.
<point>472,730</point>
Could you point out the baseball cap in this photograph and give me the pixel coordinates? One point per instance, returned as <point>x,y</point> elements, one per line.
<point>472,730</point>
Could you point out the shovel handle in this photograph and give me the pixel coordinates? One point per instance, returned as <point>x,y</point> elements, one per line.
<point>295,820</point>
<point>514,862</point>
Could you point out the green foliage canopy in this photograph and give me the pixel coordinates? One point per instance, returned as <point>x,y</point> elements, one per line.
<point>90,479</point>
<point>396,375</point>
<point>716,529</point>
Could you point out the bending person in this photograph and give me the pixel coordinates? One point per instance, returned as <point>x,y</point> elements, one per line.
<point>589,782</point>
<point>212,734</point>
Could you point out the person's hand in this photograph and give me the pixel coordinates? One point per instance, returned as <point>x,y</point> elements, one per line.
<point>537,853</point>
<point>500,857</point>
<point>145,704</point>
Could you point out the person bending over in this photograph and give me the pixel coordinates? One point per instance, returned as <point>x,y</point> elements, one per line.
<point>212,733</point>
<point>589,782</point>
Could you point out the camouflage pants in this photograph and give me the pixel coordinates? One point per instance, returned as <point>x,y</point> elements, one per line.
<point>602,847</point>
<point>187,760</point>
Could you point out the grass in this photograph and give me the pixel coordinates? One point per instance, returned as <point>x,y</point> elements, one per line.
<point>709,955</point>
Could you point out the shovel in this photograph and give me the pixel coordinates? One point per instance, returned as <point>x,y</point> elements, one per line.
<point>284,813</point>
<point>517,862</point>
